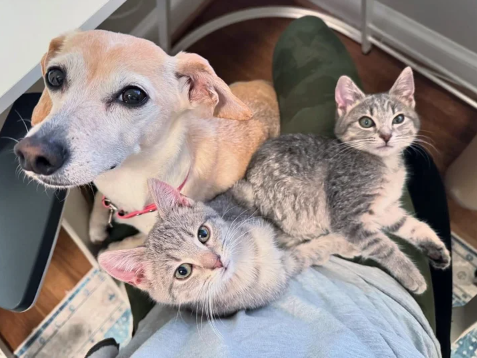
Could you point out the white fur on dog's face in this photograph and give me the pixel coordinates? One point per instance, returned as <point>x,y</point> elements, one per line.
<point>97,130</point>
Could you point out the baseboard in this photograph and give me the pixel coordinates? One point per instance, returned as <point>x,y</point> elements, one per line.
<point>455,62</point>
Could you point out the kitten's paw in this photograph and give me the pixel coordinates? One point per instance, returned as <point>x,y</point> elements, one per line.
<point>415,283</point>
<point>437,253</point>
<point>349,251</point>
<point>411,278</point>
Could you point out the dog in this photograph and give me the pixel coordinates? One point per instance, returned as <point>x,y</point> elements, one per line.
<point>117,110</point>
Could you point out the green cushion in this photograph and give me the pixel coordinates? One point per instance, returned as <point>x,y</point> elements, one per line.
<point>308,60</point>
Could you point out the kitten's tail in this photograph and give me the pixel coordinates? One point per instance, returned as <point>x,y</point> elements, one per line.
<point>317,252</point>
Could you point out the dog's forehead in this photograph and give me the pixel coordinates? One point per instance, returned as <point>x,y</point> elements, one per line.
<point>104,52</point>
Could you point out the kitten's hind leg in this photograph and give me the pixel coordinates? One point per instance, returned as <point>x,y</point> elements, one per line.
<point>317,252</point>
<point>398,222</point>
<point>380,248</point>
<point>242,191</point>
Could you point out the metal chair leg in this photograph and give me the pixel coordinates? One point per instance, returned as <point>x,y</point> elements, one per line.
<point>163,8</point>
<point>367,7</point>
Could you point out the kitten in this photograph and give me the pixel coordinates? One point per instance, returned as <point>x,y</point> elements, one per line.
<point>215,258</point>
<point>352,186</point>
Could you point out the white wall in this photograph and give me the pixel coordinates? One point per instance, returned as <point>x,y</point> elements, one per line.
<point>437,33</point>
<point>454,19</point>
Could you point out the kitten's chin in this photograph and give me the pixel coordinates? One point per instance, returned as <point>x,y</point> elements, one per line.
<point>386,150</point>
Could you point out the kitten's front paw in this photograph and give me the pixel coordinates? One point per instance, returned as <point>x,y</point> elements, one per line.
<point>349,251</point>
<point>438,255</point>
<point>415,283</point>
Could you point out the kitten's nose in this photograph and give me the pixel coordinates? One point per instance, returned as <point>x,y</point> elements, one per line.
<point>385,136</point>
<point>218,263</point>
<point>211,261</point>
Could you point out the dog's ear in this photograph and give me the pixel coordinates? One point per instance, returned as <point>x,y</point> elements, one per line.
<point>44,105</point>
<point>207,90</point>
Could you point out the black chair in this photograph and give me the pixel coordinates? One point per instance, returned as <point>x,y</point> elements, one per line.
<point>29,217</point>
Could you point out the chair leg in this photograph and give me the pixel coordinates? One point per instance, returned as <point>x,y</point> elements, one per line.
<point>367,8</point>
<point>163,8</point>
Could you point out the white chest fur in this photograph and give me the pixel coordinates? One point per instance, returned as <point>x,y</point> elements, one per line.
<point>126,186</point>
<point>393,180</point>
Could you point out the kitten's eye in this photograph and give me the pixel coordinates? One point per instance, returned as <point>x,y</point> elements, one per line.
<point>366,122</point>
<point>183,271</point>
<point>398,119</point>
<point>203,234</point>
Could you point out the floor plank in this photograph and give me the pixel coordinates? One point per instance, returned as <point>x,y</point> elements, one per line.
<point>68,266</point>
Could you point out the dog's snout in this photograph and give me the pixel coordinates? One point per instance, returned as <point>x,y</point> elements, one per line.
<point>40,156</point>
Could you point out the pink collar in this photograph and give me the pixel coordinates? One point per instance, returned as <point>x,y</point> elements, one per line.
<point>128,215</point>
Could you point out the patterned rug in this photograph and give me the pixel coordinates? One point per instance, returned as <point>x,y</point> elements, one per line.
<point>95,309</point>
<point>464,266</point>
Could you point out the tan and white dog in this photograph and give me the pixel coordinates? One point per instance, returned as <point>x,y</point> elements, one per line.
<point>118,110</point>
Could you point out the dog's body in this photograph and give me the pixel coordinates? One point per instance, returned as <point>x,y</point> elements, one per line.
<point>211,153</point>
<point>117,110</point>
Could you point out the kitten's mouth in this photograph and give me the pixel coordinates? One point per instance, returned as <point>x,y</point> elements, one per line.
<point>384,147</point>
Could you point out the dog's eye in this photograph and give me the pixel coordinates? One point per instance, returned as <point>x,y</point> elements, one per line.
<point>55,78</point>
<point>133,96</point>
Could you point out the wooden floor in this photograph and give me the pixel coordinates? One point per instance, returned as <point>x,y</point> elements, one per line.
<point>244,52</point>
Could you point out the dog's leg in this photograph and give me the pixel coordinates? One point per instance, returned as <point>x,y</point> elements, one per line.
<point>128,243</point>
<point>98,221</point>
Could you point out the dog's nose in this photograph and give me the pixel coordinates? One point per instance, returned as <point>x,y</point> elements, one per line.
<point>40,156</point>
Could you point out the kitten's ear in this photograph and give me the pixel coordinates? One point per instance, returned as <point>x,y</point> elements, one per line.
<point>166,197</point>
<point>403,88</point>
<point>125,265</point>
<point>346,94</point>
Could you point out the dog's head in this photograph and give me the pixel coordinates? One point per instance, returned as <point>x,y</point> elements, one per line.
<point>107,97</point>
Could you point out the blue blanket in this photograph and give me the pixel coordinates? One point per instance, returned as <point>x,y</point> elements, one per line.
<point>340,310</point>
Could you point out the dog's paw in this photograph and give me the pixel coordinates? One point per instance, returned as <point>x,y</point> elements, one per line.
<point>437,253</point>
<point>98,234</point>
<point>128,243</point>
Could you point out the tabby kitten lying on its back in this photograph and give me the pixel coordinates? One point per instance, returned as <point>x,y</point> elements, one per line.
<point>310,186</point>
<point>215,258</point>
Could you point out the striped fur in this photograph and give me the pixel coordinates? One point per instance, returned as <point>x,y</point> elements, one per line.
<point>350,186</point>
<point>258,260</point>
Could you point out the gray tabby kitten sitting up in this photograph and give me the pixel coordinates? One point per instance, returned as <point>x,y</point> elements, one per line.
<point>310,186</point>
<point>215,258</point>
